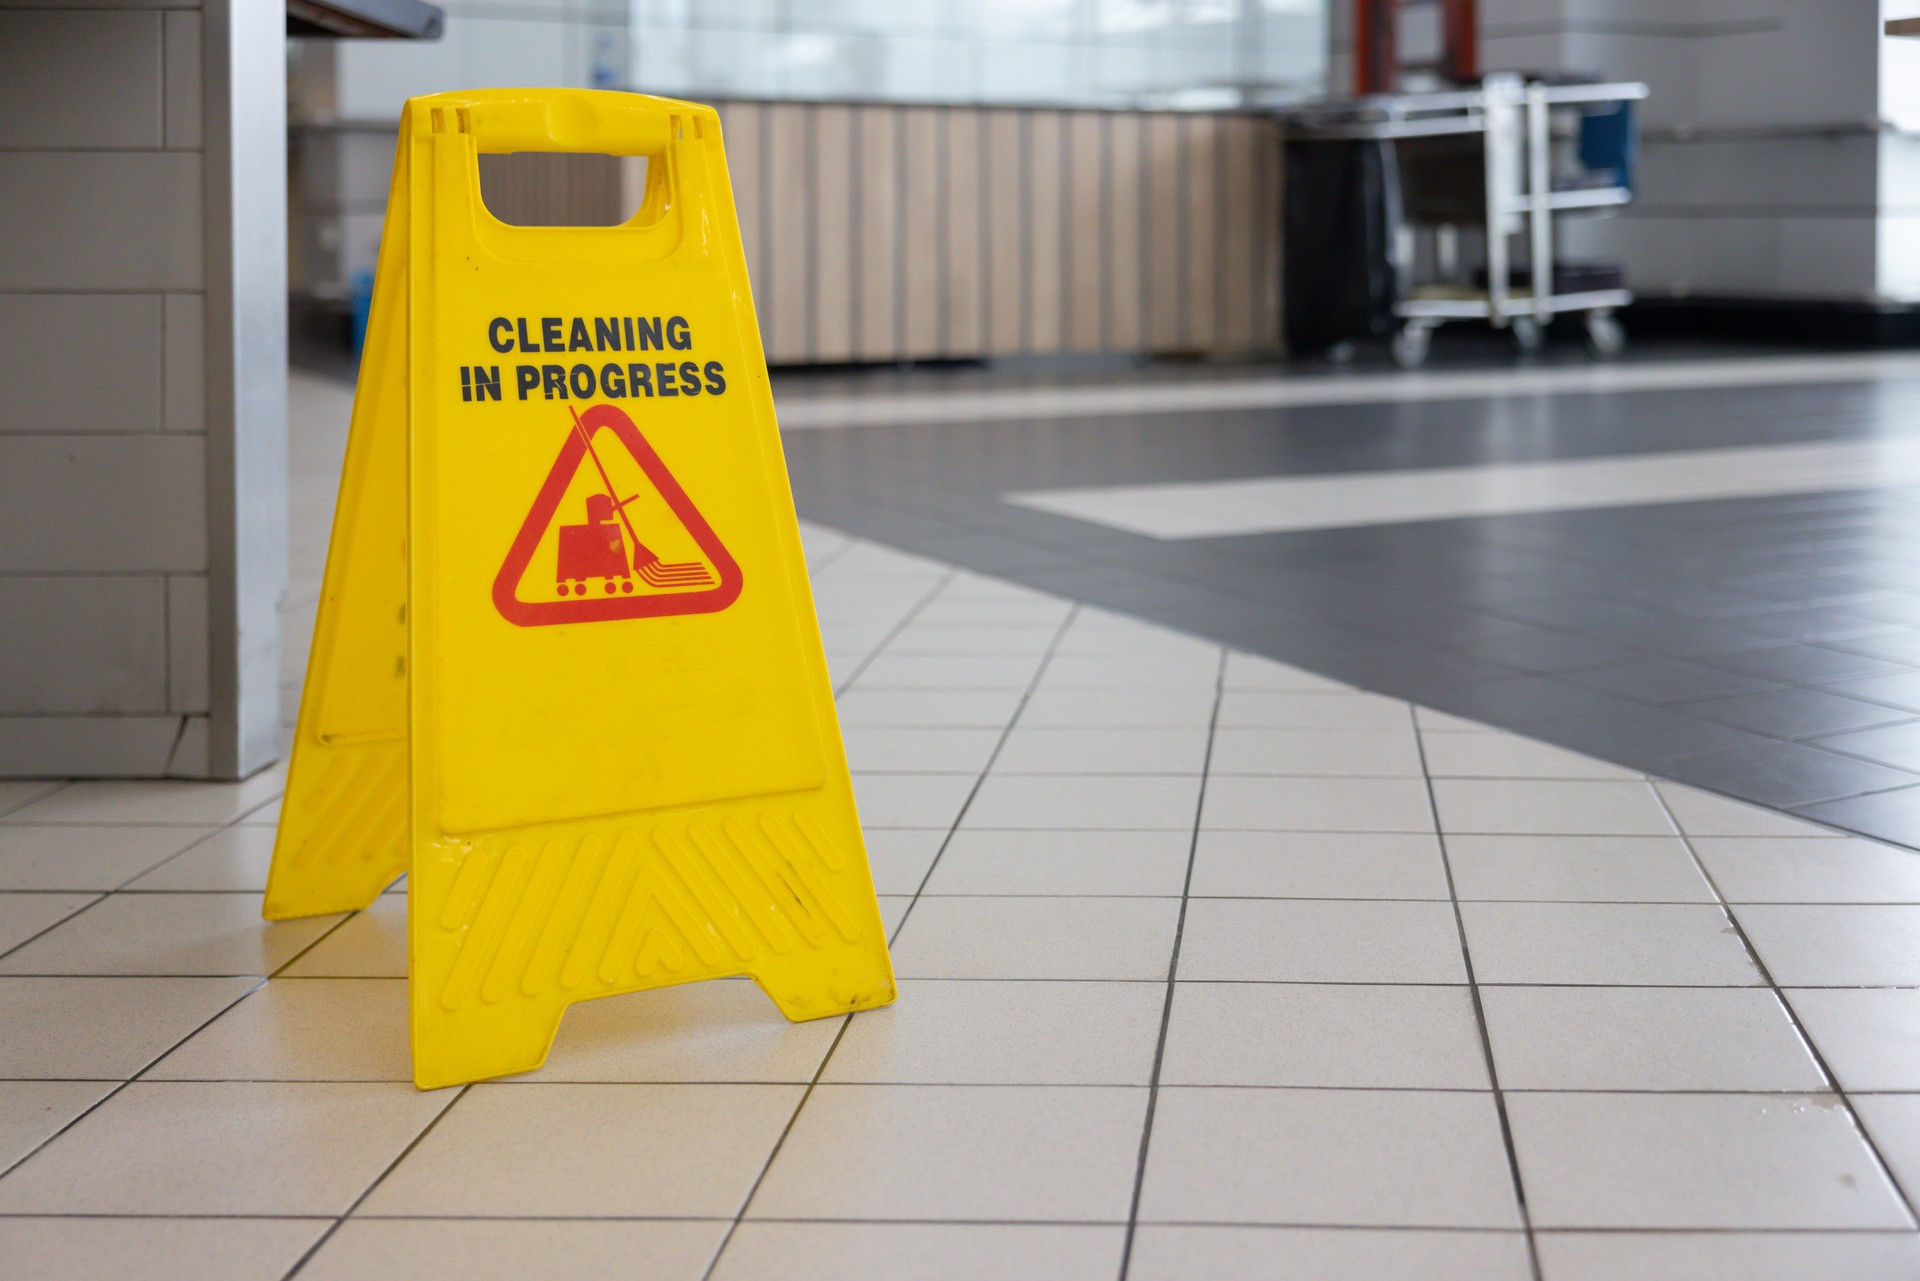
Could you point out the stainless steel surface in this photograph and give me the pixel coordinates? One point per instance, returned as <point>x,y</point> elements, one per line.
<point>1430,114</point>
<point>246,318</point>
<point>1540,199</point>
<point>1502,174</point>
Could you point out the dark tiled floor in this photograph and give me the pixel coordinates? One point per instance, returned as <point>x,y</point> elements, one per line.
<point>1768,648</point>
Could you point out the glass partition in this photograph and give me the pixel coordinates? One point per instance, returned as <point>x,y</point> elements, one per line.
<point>1114,53</point>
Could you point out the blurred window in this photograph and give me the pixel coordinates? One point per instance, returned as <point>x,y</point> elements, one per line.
<point>1111,53</point>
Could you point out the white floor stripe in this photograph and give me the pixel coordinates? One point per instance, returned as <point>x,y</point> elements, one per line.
<point>1274,504</point>
<point>1369,387</point>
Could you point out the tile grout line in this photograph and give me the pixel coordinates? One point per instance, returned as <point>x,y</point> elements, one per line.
<point>773,1153</point>
<point>1006,732</point>
<point>1657,987</point>
<point>53,785</point>
<point>122,1085</point>
<point>1173,972</point>
<point>847,543</point>
<point>98,898</point>
<point>103,895</point>
<point>1359,1227</point>
<point>1059,632</point>
<point>1107,1087</point>
<point>307,1256</point>
<point>906,620</point>
<point>260,982</point>
<point>236,821</point>
<point>281,970</point>
<point>1479,1009</point>
<point>1786,1003</point>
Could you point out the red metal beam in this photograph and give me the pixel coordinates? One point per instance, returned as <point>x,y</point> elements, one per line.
<point>1460,40</point>
<point>1376,49</point>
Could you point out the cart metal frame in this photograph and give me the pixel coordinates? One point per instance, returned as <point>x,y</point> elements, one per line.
<point>1515,118</point>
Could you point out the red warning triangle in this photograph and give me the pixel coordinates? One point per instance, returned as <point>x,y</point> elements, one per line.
<point>636,547</point>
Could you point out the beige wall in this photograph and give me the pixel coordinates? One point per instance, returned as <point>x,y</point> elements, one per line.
<point>880,233</point>
<point>883,233</point>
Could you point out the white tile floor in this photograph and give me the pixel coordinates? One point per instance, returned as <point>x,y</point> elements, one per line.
<point>1209,968</point>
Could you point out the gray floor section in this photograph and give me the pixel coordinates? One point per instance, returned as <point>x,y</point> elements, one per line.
<point>1767,648</point>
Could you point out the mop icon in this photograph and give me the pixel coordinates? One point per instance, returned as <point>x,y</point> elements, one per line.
<point>595,549</point>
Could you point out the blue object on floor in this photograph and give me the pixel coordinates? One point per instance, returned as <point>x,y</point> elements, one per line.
<point>360,302</point>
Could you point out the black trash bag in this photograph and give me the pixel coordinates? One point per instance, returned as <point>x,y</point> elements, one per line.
<point>1342,207</point>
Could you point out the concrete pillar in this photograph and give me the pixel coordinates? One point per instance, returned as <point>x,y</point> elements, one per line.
<point>142,387</point>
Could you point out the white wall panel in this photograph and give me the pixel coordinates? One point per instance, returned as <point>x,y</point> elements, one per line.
<point>183,71</point>
<point>1820,65</point>
<point>1830,172</point>
<point>102,504</point>
<point>1770,172</point>
<point>80,362</point>
<point>1898,263</point>
<point>80,78</point>
<point>188,674</point>
<point>92,645</point>
<point>89,746</point>
<point>1828,257</point>
<point>102,220</point>
<point>185,372</point>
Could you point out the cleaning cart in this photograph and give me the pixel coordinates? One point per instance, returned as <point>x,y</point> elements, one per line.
<point>1409,211</point>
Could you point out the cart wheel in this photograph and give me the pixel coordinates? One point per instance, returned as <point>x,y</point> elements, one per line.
<point>1605,336</point>
<point>1409,346</point>
<point>561,588</point>
<point>626,585</point>
<point>609,587</point>
<point>1529,335</point>
<point>579,587</point>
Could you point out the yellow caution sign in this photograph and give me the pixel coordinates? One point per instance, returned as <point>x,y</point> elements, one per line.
<point>566,673</point>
